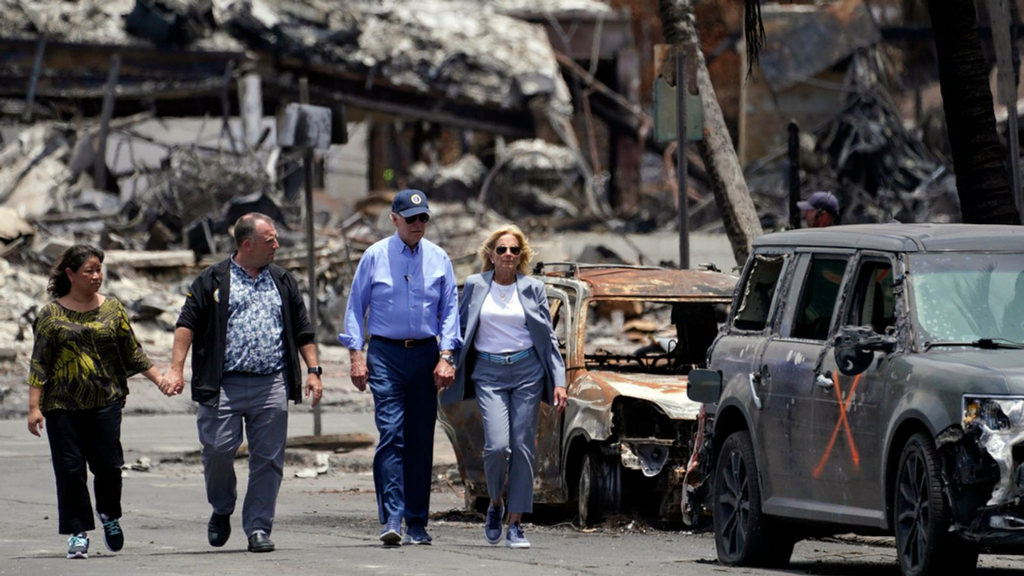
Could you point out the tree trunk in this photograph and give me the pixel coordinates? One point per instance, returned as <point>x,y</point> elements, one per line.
<point>728,184</point>
<point>978,157</point>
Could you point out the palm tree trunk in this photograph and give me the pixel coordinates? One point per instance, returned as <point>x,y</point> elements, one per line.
<point>728,184</point>
<point>978,157</point>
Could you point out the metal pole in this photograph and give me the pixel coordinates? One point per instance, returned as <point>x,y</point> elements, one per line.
<point>37,69</point>
<point>99,167</point>
<point>307,165</point>
<point>794,174</point>
<point>683,217</point>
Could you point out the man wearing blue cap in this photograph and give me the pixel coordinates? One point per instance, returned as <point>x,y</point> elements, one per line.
<point>821,210</point>
<point>405,290</point>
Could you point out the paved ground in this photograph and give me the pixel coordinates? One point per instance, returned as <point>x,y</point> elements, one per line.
<point>327,525</point>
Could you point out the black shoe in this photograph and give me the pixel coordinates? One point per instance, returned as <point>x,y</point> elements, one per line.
<point>113,537</point>
<point>219,529</point>
<point>260,542</point>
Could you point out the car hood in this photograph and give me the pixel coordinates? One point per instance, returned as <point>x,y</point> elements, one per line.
<point>1006,366</point>
<point>668,392</point>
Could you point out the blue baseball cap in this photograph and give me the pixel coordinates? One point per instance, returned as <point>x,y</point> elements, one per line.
<point>410,203</point>
<point>823,200</point>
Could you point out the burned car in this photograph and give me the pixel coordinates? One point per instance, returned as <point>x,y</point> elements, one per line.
<point>629,337</point>
<point>870,379</point>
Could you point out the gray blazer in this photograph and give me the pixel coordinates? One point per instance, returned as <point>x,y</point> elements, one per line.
<point>538,321</point>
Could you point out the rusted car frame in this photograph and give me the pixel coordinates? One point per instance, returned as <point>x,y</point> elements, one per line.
<point>627,433</point>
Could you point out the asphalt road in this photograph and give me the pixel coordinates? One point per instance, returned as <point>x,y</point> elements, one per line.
<point>327,525</point>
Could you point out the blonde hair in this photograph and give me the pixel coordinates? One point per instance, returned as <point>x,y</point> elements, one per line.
<point>488,248</point>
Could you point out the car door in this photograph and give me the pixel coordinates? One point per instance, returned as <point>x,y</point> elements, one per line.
<point>787,375</point>
<point>737,353</point>
<point>548,483</point>
<point>847,412</point>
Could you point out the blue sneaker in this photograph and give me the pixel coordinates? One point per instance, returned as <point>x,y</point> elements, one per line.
<point>492,526</point>
<point>417,534</point>
<point>391,535</point>
<point>515,537</point>
<point>78,546</point>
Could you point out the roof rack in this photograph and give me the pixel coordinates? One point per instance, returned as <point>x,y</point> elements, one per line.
<point>574,267</point>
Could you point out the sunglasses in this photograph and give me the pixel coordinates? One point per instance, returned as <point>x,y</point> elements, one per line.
<point>513,249</point>
<point>421,217</point>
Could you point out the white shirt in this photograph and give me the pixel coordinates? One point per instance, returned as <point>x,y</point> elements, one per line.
<point>502,327</point>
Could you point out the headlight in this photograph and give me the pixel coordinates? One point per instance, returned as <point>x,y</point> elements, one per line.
<point>1001,419</point>
<point>994,412</point>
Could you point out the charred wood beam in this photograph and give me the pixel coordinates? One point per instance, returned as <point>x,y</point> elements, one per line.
<point>326,90</point>
<point>926,33</point>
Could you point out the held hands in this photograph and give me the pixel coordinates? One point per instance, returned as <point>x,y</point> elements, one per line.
<point>444,374</point>
<point>172,383</point>
<point>314,388</point>
<point>35,421</point>
<point>358,371</point>
<point>561,399</point>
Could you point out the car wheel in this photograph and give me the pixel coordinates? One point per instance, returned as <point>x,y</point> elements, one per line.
<point>743,535</point>
<point>598,488</point>
<point>921,515</point>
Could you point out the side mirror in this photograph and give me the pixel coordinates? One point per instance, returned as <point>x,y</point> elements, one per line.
<point>855,348</point>
<point>704,386</point>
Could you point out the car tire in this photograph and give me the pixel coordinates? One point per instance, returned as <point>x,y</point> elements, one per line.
<point>921,515</point>
<point>744,536</point>
<point>598,488</point>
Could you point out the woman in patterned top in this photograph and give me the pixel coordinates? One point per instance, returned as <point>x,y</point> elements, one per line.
<point>84,353</point>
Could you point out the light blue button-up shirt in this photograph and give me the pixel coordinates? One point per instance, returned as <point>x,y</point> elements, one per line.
<point>407,293</point>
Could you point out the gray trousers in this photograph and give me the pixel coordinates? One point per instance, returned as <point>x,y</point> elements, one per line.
<point>261,402</point>
<point>509,398</point>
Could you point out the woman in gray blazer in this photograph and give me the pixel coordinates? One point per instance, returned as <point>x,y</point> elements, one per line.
<point>510,362</point>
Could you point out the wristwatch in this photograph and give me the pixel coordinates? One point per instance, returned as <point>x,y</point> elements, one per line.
<point>449,358</point>
<point>315,370</point>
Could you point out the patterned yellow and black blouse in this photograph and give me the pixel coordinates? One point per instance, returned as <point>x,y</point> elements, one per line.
<point>83,360</point>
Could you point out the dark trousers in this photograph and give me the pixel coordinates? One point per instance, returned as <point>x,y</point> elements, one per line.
<point>77,438</point>
<point>405,411</point>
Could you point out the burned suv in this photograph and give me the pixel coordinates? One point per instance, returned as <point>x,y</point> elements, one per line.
<point>629,336</point>
<point>870,379</point>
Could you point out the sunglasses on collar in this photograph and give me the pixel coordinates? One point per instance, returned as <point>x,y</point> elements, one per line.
<point>421,217</point>
<point>513,249</point>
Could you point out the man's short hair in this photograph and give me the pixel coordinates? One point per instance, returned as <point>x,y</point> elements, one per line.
<point>245,227</point>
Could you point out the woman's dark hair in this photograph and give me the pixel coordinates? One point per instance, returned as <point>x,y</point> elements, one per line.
<point>59,284</point>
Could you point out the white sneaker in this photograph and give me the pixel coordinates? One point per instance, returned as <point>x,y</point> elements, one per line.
<point>78,547</point>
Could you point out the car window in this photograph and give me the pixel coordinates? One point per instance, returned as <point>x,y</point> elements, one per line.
<point>967,296</point>
<point>654,337</point>
<point>560,321</point>
<point>758,292</point>
<point>818,299</point>
<point>873,299</point>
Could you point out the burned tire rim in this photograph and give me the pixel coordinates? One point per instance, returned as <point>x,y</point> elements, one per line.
<point>733,503</point>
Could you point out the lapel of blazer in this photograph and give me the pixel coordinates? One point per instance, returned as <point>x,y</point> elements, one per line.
<point>479,294</point>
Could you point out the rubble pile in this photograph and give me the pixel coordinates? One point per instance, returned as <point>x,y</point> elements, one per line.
<point>457,48</point>
<point>880,170</point>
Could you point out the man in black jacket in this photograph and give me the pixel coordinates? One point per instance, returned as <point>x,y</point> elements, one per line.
<point>248,322</point>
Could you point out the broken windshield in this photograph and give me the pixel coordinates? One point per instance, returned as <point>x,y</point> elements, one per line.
<point>967,297</point>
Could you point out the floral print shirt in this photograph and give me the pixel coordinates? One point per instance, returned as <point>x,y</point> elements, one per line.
<point>255,339</point>
<point>83,360</point>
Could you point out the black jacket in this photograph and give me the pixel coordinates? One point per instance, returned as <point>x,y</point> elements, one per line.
<point>205,313</point>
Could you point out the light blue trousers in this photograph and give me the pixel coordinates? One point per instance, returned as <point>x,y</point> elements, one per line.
<point>509,398</point>
<point>261,402</point>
